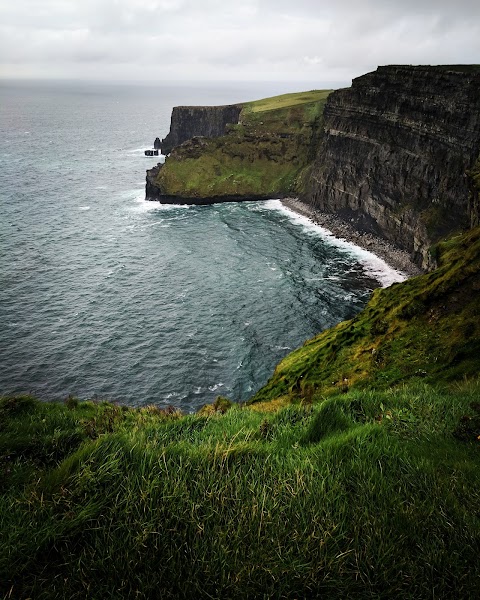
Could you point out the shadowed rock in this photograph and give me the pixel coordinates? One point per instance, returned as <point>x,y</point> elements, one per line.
<point>395,152</point>
<point>193,121</point>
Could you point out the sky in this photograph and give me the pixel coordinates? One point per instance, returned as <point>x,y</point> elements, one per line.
<point>322,41</point>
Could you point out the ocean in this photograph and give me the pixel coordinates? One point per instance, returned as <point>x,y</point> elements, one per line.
<point>107,296</point>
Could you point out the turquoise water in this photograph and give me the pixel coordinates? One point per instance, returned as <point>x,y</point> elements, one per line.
<point>106,295</point>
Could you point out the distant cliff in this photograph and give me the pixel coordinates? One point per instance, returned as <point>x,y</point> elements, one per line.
<point>395,154</point>
<point>256,150</point>
<point>192,121</point>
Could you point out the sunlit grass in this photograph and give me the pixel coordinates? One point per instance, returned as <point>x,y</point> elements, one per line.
<point>286,100</point>
<point>362,495</point>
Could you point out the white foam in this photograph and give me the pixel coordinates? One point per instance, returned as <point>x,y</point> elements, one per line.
<point>141,152</point>
<point>214,388</point>
<point>133,150</point>
<point>143,206</point>
<point>83,208</point>
<point>156,224</point>
<point>375,266</point>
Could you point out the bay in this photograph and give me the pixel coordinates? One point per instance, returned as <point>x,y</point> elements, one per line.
<point>104,295</point>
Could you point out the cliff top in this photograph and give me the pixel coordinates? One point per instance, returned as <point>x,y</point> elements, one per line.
<point>452,68</point>
<point>286,100</point>
<point>270,103</point>
<point>258,153</point>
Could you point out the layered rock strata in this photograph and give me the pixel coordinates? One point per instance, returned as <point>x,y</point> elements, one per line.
<point>395,151</point>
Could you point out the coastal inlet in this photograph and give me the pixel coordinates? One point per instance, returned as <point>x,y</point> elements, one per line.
<point>105,295</point>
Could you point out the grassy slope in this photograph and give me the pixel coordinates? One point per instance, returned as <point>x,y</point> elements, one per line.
<point>264,155</point>
<point>425,327</point>
<point>367,493</point>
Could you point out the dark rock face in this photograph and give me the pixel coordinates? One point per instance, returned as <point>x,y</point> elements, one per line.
<point>192,121</point>
<point>152,192</point>
<point>395,151</point>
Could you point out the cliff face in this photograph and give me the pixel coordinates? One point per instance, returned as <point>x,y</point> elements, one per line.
<point>192,121</point>
<point>395,151</point>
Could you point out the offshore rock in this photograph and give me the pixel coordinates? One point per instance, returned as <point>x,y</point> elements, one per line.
<point>188,122</point>
<point>395,154</point>
<point>157,144</point>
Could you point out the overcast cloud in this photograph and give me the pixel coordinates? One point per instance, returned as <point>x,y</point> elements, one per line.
<point>296,40</point>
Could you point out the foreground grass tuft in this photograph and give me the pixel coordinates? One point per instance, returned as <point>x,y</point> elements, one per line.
<point>368,494</point>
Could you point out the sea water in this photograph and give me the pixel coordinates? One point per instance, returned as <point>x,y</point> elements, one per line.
<point>105,295</point>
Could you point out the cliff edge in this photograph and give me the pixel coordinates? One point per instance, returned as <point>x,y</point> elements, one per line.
<point>395,153</point>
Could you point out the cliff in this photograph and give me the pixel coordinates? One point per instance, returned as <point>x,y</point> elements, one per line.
<point>395,151</point>
<point>394,155</point>
<point>354,472</point>
<point>261,156</point>
<point>192,121</point>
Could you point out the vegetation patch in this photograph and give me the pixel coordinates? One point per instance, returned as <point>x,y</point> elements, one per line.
<point>367,494</point>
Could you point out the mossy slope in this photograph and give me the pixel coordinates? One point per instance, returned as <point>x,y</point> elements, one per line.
<point>263,156</point>
<point>425,327</point>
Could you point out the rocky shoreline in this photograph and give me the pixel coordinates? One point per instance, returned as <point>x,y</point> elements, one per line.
<point>398,259</point>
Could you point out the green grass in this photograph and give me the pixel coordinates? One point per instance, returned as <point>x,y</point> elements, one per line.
<point>264,156</point>
<point>285,101</point>
<point>365,495</point>
<point>354,473</point>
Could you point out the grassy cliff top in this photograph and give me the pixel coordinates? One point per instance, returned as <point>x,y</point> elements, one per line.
<point>285,101</point>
